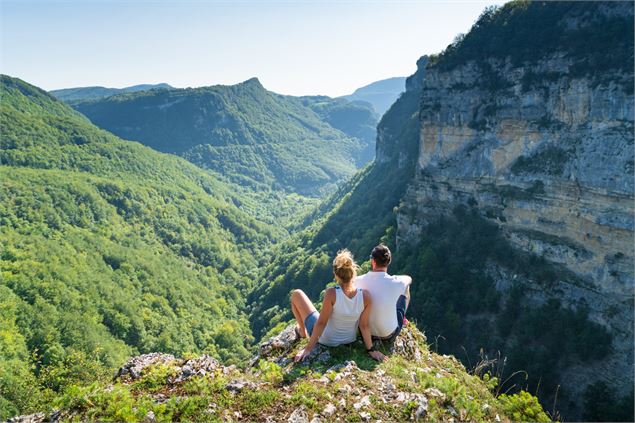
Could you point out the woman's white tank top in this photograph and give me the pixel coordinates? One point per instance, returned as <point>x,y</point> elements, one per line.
<point>342,325</point>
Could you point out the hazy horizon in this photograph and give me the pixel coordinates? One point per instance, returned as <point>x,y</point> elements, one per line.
<point>296,48</point>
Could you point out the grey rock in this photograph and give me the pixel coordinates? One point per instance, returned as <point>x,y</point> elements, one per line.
<point>239,385</point>
<point>199,366</point>
<point>422,408</point>
<point>29,418</point>
<point>347,366</point>
<point>135,366</point>
<point>299,415</point>
<point>53,417</point>
<point>329,410</point>
<point>435,393</point>
<point>320,354</point>
<point>150,417</point>
<point>365,416</point>
<point>279,344</point>
<point>364,402</point>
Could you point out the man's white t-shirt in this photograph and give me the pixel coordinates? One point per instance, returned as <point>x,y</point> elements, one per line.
<point>384,291</point>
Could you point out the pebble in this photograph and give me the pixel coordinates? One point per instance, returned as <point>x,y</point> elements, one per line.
<point>364,402</point>
<point>329,410</point>
<point>298,416</point>
<point>365,416</point>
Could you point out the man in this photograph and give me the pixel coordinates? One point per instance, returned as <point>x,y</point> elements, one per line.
<point>390,295</point>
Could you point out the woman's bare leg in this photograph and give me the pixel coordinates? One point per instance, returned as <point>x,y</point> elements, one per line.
<point>301,306</point>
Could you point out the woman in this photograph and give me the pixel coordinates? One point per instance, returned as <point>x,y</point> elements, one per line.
<point>345,308</point>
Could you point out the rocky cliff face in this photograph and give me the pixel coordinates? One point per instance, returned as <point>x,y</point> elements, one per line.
<point>544,149</point>
<point>552,163</point>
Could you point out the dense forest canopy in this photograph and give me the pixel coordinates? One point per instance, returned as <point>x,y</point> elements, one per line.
<point>110,249</point>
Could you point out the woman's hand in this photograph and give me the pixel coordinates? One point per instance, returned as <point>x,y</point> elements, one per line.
<point>301,355</point>
<point>377,355</point>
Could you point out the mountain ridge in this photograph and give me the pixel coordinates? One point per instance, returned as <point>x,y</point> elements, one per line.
<point>95,92</point>
<point>244,132</point>
<point>381,94</point>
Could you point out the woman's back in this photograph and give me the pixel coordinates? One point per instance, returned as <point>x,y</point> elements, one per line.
<point>341,327</point>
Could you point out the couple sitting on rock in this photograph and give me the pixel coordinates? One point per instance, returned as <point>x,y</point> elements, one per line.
<point>375,302</point>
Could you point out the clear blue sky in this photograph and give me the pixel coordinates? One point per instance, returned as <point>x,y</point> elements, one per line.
<point>293,47</point>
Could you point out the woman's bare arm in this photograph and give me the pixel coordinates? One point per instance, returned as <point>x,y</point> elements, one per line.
<point>364,328</point>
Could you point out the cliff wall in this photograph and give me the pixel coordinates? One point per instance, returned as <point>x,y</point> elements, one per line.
<point>542,148</point>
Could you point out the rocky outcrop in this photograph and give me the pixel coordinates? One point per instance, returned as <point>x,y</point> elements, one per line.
<point>277,348</point>
<point>414,384</point>
<point>543,149</point>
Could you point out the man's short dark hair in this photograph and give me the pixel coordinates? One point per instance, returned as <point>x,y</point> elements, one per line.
<point>381,255</point>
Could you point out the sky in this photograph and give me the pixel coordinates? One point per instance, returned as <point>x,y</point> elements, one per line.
<point>292,47</point>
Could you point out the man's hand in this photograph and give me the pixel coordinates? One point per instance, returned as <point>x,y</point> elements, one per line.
<point>377,355</point>
<point>301,355</point>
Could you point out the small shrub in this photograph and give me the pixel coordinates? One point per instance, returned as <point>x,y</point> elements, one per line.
<point>253,402</point>
<point>156,377</point>
<point>523,407</point>
<point>271,372</point>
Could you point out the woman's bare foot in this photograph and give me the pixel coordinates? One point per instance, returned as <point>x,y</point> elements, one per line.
<point>300,334</point>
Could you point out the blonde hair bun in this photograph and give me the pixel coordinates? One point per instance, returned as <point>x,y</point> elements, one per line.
<point>344,266</point>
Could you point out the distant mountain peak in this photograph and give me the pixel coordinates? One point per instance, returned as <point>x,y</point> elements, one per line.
<point>255,82</point>
<point>381,94</point>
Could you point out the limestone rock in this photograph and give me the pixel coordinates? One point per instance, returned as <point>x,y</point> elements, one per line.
<point>135,366</point>
<point>329,410</point>
<point>549,162</point>
<point>364,402</point>
<point>283,341</point>
<point>239,385</point>
<point>199,366</point>
<point>30,418</point>
<point>299,415</point>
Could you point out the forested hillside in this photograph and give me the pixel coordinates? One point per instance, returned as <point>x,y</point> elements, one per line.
<point>109,249</point>
<point>251,136</point>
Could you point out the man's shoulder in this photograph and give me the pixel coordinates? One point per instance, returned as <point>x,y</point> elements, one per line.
<point>360,279</point>
<point>404,279</point>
